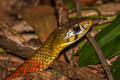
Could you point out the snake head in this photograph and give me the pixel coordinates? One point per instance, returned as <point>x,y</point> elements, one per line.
<point>68,34</point>
<point>76,31</point>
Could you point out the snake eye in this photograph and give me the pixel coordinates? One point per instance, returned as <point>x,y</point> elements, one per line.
<point>76,28</point>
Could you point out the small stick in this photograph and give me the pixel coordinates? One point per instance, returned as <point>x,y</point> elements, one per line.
<point>78,7</point>
<point>101,56</point>
<point>62,12</point>
<point>13,32</point>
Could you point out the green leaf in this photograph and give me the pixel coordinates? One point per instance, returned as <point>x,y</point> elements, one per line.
<point>102,26</point>
<point>116,69</point>
<point>108,39</point>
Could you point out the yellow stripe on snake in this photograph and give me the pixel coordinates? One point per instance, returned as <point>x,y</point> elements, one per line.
<point>59,39</point>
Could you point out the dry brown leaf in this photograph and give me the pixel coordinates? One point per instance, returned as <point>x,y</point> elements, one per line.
<point>42,18</point>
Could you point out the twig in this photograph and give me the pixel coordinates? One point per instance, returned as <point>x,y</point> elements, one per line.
<point>15,48</point>
<point>13,32</point>
<point>78,8</point>
<point>101,56</point>
<point>6,66</point>
<point>12,59</point>
<point>76,72</point>
<point>62,12</point>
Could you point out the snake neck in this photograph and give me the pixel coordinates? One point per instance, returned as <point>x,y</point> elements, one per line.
<point>51,48</point>
<point>46,55</point>
<point>51,51</point>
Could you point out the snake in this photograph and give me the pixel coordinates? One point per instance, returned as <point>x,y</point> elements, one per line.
<point>62,37</point>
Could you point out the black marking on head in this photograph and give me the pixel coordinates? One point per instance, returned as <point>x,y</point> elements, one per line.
<point>76,29</point>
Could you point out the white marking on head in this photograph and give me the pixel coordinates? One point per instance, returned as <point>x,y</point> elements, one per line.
<point>69,33</point>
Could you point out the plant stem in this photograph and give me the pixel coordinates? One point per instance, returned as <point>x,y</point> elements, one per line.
<point>100,55</point>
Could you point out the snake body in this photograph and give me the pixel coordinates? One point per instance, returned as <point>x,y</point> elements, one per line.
<point>59,39</point>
